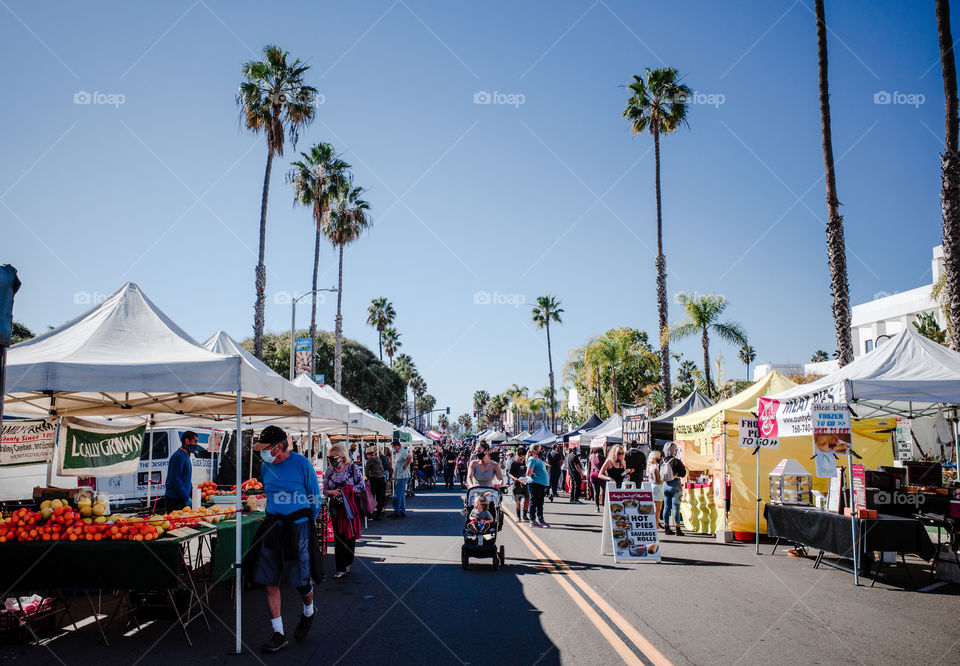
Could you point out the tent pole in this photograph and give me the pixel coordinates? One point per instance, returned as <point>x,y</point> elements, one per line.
<point>853,519</point>
<point>756,527</point>
<point>309,431</point>
<point>238,519</point>
<point>150,460</point>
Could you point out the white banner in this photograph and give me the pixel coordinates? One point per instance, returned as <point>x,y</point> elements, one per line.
<point>27,441</point>
<point>794,417</point>
<point>749,436</point>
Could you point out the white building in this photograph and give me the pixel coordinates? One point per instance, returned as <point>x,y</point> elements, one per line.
<point>873,323</point>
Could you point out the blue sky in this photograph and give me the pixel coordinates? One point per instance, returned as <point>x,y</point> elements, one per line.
<point>548,194</point>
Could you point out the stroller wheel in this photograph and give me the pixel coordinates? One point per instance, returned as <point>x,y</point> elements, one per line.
<point>496,561</point>
<point>503,557</point>
<point>464,560</point>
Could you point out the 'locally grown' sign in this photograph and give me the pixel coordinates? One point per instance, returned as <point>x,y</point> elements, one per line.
<point>90,449</point>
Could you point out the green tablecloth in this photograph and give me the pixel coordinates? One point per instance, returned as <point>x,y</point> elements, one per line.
<point>225,549</point>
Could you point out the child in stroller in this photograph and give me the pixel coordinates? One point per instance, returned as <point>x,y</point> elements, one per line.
<point>481,527</point>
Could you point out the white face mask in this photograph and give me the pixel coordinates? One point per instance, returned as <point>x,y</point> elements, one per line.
<point>267,456</point>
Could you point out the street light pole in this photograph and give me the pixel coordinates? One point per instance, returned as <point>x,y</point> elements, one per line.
<point>293,325</point>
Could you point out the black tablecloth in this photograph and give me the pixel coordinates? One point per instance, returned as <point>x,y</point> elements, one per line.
<point>832,532</point>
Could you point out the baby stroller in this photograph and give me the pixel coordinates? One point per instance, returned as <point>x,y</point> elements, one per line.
<point>483,545</point>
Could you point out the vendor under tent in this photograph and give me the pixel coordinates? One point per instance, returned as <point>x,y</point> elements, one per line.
<point>496,437</point>
<point>125,357</point>
<point>661,427</point>
<point>589,424</point>
<point>708,445</point>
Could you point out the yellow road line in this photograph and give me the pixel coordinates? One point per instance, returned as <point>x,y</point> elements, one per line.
<point>615,641</point>
<point>642,644</point>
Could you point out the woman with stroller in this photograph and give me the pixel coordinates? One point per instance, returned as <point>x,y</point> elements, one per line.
<point>540,483</point>
<point>483,471</point>
<point>341,483</point>
<point>521,494</point>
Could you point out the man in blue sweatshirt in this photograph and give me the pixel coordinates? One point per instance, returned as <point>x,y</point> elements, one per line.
<point>179,473</point>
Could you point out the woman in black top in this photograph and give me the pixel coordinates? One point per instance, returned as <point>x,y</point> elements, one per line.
<point>521,494</point>
<point>614,468</point>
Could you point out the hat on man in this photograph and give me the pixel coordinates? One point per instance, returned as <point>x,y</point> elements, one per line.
<point>272,435</point>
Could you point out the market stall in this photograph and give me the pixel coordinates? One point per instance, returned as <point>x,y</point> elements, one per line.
<point>126,358</point>
<point>722,475</point>
<point>592,422</point>
<point>608,432</point>
<point>661,427</point>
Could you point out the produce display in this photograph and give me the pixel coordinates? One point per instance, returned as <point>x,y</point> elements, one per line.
<point>208,489</point>
<point>58,521</point>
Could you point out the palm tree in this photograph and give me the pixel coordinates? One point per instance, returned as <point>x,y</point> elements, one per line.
<point>685,373</point>
<point>516,393</point>
<point>466,421</point>
<point>609,352</point>
<point>380,314</point>
<point>273,99</point>
<point>819,356</point>
<point>405,369</point>
<point>480,400</point>
<point>748,355</point>
<point>703,313</point>
<point>940,295</point>
<point>419,388</point>
<point>950,174</point>
<point>348,219</point>
<point>427,403</point>
<point>314,179</point>
<point>546,310</point>
<point>391,342</point>
<point>836,248</point>
<point>659,106</point>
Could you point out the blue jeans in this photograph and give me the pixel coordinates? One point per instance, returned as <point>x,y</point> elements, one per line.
<point>400,496</point>
<point>671,500</point>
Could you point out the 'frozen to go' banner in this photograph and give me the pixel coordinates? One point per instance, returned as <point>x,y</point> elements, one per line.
<point>27,441</point>
<point>90,449</point>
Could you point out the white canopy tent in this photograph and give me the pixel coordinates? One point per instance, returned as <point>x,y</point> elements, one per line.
<point>416,439</point>
<point>125,357</point>
<point>610,431</point>
<point>359,421</point>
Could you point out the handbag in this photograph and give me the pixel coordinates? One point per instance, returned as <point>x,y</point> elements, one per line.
<point>366,503</point>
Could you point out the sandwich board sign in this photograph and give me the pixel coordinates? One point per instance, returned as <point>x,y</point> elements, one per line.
<point>630,525</point>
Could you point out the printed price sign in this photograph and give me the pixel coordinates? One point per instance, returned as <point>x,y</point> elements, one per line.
<point>750,435</point>
<point>633,526</point>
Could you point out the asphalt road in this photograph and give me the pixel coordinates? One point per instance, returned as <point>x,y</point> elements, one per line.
<point>556,601</point>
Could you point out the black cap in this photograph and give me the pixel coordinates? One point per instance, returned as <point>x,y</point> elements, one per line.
<point>395,442</point>
<point>272,435</point>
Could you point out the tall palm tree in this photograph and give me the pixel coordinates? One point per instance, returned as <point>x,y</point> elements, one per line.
<point>685,373</point>
<point>315,178</point>
<point>273,99</point>
<point>349,218</point>
<point>405,369</point>
<point>836,248</point>
<point>466,421</point>
<point>380,314</point>
<point>427,403</point>
<point>546,310</point>
<point>748,355</point>
<point>950,173</point>
<point>819,356</point>
<point>659,106</point>
<point>480,400</point>
<point>703,313</point>
<point>391,342</point>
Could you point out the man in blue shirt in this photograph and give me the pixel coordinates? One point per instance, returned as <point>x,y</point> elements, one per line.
<point>288,552</point>
<point>179,483</point>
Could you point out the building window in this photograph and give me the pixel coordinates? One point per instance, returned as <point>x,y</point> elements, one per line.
<point>868,346</point>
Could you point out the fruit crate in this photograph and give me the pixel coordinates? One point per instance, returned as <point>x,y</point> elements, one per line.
<point>43,618</point>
